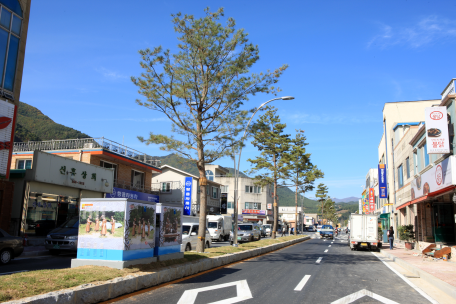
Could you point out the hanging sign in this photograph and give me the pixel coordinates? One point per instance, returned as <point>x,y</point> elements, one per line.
<point>7,120</point>
<point>371,200</point>
<point>382,187</point>
<point>437,141</point>
<point>188,195</point>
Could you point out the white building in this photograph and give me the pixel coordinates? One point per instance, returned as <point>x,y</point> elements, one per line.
<point>287,215</point>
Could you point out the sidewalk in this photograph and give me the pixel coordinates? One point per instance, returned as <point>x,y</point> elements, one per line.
<point>435,272</point>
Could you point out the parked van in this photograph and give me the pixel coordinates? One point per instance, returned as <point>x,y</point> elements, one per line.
<point>219,227</point>
<point>190,235</point>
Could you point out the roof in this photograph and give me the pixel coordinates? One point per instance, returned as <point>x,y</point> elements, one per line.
<point>418,134</point>
<point>387,103</point>
<point>406,124</point>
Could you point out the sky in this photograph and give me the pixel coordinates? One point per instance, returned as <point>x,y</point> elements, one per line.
<point>346,60</point>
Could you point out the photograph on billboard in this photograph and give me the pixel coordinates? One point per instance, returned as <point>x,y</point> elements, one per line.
<point>437,140</point>
<point>170,226</point>
<point>101,225</point>
<point>140,226</point>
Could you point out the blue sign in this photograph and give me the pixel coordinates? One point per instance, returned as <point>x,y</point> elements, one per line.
<point>382,184</point>
<point>188,195</point>
<point>123,193</point>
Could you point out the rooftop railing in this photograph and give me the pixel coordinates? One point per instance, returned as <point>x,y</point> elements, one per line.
<point>87,143</point>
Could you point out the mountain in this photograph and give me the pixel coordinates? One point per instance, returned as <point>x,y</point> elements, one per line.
<point>33,125</point>
<point>346,200</point>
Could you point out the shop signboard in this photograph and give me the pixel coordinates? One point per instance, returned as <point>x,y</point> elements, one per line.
<point>188,195</point>
<point>224,203</point>
<point>170,226</point>
<point>123,193</point>
<point>253,211</point>
<point>371,200</point>
<point>269,206</point>
<point>116,229</point>
<point>58,170</point>
<point>440,176</point>
<point>382,185</point>
<point>437,140</point>
<point>7,122</point>
<point>360,207</point>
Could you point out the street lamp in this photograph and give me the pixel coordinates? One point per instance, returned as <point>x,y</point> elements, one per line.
<point>236,172</point>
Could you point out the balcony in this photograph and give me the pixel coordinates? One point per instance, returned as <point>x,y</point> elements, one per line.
<point>87,143</point>
<point>153,189</point>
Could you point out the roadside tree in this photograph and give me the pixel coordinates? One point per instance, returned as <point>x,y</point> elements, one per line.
<point>201,89</point>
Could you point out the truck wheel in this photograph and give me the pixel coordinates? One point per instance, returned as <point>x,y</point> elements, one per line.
<point>220,239</point>
<point>188,247</point>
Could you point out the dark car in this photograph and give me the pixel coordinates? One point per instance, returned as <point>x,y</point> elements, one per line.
<point>10,247</point>
<point>63,238</point>
<point>43,227</point>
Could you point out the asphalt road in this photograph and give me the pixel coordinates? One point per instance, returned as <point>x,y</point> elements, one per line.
<point>315,271</point>
<point>21,264</point>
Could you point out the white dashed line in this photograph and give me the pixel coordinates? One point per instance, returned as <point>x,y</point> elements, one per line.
<point>302,283</point>
<point>326,250</point>
<point>329,246</point>
<point>319,259</point>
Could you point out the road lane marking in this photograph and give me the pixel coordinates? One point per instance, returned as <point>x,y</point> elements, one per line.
<point>326,250</point>
<point>242,289</point>
<point>303,282</point>
<point>5,273</point>
<point>359,294</point>
<point>332,242</point>
<point>407,280</point>
<point>319,259</point>
<point>329,246</point>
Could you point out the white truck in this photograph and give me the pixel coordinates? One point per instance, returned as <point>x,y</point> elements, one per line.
<point>363,232</point>
<point>219,227</point>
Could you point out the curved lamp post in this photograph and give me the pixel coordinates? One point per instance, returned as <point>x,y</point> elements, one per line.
<point>236,172</point>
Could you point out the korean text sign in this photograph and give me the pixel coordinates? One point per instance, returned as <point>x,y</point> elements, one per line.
<point>382,187</point>
<point>188,195</point>
<point>437,141</point>
<point>371,200</point>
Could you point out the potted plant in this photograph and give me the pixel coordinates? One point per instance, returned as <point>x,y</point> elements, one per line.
<point>407,234</point>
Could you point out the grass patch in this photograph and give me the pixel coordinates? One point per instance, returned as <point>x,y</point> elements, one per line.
<point>27,284</point>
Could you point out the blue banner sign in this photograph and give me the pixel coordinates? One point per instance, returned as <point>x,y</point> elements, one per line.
<point>382,185</point>
<point>188,195</point>
<point>123,193</point>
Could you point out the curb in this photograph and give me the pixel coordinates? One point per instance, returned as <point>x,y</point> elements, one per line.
<point>91,293</point>
<point>429,278</point>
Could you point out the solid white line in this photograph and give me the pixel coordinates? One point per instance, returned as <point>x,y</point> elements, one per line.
<point>319,259</point>
<point>407,281</point>
<point>326,250</point>
<point>5,273</point>
<point>303,282</point>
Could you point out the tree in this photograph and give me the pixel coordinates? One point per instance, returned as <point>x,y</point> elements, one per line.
<point>273,145</point>
<point>322,193</point>
<point>301,172</point>
<point>201,89</point>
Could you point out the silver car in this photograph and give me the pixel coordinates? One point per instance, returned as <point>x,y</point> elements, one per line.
<point>248,232</point>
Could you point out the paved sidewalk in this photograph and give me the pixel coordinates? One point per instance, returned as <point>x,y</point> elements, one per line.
<point>445,271</point>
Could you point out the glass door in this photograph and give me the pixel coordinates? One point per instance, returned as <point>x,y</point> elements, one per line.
<point>443,223</point>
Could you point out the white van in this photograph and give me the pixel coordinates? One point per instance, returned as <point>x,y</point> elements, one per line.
<point>190,237</point>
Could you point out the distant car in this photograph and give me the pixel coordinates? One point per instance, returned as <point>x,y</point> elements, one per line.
<point>248,232</point>
<point>311,228</point>
<point>327,231</point>
<point>43,227</point>
<point>10,247</point>
<point>63,238</point>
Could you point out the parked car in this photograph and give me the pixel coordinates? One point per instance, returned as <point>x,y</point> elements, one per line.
<point>10,247</point>
<point>262,231</point>
<point>248,232</point>
<point>268,228</point>
<point>190,236</point>
<point>311,228</point>
<point>43,227</point>
<point>64,238</point>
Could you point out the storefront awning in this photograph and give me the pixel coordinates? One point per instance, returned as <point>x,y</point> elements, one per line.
<point>424,198</point>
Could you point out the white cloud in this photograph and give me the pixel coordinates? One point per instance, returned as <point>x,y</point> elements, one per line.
<point>109,74</point>
<point>426,31</point>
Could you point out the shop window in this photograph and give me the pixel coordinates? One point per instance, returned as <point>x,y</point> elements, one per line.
<point>24,164</point>
<point>165,187</point>
<point>407,167</point>
<point>214,192</point>
<point>400,176</point>
<point>137,179</point>
<point>10,31</point>
<point>255,206</point>
<point>107,165</point>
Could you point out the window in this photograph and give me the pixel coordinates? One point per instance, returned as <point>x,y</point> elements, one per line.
<point>426,156</point>
<point>415,157</point>
<point>252,189</point>
<point>248,189</point>
<point>109,166</point>
<point>137,179</point>
<point>407,167</point>
<point>230,205</point>
<point>214,192</point>
<point>210,175</point>
<point>10,32</point>
<point>400,176</point>
<point>224,189</point>
<point>24,164</point>
<point>256,189</point>
<point>165,187</point>
<point>255,206</point>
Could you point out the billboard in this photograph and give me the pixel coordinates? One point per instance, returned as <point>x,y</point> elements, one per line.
<point>188,196</point>
<point>382,184</point>
<point>170,226</point>
<point>253,211</point>
<point>123,193</point>
<point>7,121</point>
<point>371,200</point>
<point>437,140</point>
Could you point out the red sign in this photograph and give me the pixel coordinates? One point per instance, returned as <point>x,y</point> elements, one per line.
<point>253,211</point>
<point>371,200</point>
<point>438,175</point>
<point>7,122</point>
<point>436,115</point>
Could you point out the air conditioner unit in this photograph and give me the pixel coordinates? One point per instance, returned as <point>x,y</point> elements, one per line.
<point>88,145</point>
